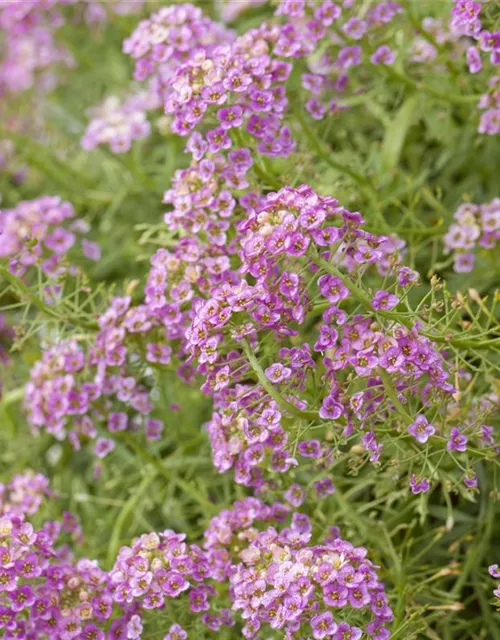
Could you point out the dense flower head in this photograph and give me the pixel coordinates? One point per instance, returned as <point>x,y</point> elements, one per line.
<point>170,37</point>
<point>118,124</point>
<point>76,392</point>
<point>476,227</point>
<point>99,11</point>
<point>42,232</point>
<point>291,234</point>
<point>44,591</point>
<point>292,314</point>
<point>201,195</point>
<point>28,47</point>
<point>483,52</point>
<point>284,581</point>
<point>23,494</point>
<point>329,36</point>
<point>277,577</point>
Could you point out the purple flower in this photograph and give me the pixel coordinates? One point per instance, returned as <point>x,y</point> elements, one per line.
<point>91,250</point>
<point>230,117</point>
<point>160,353</point>
<point>349,57</point>
<point>154,429</point>
<point>494,571</point>
<point>471,481</point>
<point>335,595</point>
<point>103,446</point>
<point>134,628</point>
<point>384,300</point>
<point>315,108</point>
<point>60,241</point>
<point>327,338</point>
<point>346,632</point>
<point>91,632</point>
<point>330,409</point>
<point>355,28</point>
<point>490,122</point>
<point>117,422</point>
<point>419,485</point>
<point>383,55</point>
<point>421,430</point>
<point>174,584</point>
<point>457,441</point>
<point>176,632</point>
<point>278,373</point>
<point>295,495</point>
<point>322,625</point>
<point>406,276</point>
<point>309,448</point>
<point>474,60</point>
<point>464,262</point>
<point>324,487</point>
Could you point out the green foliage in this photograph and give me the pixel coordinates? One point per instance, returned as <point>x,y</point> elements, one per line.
<point>406,154</point>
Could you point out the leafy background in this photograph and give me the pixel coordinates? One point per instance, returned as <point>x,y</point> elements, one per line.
<point>402,155</point>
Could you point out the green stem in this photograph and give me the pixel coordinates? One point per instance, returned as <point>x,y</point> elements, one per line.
<point>326,156</point>
<point>131,443</point>
<point>364,298</point>
<point>125,513</point>
<point>420,86</point>
<point>488,619</point>
<point>11,397</point>
<point>275,395</point>
<point>478,550</point>
<point>42,306</point>
<point>393,395</point>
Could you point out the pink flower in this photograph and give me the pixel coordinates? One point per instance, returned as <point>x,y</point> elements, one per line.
<point>421,430</point>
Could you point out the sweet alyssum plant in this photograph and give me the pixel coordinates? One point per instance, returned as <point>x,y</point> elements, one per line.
<point>298,318</point>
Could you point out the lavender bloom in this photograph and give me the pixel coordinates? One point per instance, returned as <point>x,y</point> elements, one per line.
<point>457,441</point>
<point>384,300</point>
<point>383,55</point>
<point>421,430</point>
<point>419,485</point>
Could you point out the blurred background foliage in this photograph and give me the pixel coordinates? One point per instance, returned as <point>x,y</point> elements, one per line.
<point>404,157</point>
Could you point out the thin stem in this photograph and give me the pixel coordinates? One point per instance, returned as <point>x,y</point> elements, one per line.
<point>392,393</point>
<point>42,306</point>
<point>420,86</point>
<point>326,156</point>
<point>275,395</point>
<point>396,316</point>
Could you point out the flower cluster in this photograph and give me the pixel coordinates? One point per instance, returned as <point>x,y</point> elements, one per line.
<point>77,393</point>
<point>366,364</point>
<point>238,79</point>
<point>475,226</point>
<point>97,11</point>
<point>278,579</point>
<point>466,20</point>
<point>28,47</point>
<point>118,124</point>
<point>158,567</point>
<point>341,42</point>
<point>44,592</point>
<point>42,232</point>
<point>282,581</point>
<point>170,37</point>
<point>23,495</point>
